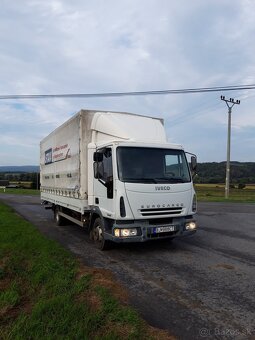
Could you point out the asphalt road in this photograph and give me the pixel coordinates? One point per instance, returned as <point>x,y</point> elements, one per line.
<point>196,287</point>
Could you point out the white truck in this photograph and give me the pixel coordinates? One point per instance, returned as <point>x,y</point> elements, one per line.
<point>116,174</point>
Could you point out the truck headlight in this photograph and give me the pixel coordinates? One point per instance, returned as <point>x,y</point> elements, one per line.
<point>127,232</point>
<point>191,225</point>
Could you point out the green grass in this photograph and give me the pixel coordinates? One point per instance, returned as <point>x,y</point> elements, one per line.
<point>45,292</point>
<point>17,191</point>
<point>216,193</point>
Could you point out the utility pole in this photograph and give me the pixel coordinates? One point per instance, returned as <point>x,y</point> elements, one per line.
<point>230,103</point>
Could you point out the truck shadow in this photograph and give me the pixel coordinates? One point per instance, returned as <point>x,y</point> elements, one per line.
<point>171,245</point>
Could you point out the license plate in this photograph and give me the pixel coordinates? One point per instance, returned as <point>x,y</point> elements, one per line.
<point>166,229</point>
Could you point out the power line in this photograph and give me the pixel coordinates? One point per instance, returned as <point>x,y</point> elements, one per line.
<point>200,110</point>
<point>190,113</point>
<point>133,93</point>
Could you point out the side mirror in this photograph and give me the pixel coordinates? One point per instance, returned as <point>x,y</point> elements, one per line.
<point>98,170</point>
<point>98,157</point>
<point>193,163</point>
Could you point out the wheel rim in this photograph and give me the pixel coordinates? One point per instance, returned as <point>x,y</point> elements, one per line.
<point>98,234</point>
<point>57,216</point>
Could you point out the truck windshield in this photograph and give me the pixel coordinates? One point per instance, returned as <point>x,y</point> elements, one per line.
<point>152,165</point>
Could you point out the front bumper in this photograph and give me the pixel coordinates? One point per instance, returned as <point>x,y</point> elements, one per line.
<point>148,232</point>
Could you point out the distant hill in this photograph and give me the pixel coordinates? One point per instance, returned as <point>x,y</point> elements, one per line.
<point>20,169</point>
<point>216,172</point>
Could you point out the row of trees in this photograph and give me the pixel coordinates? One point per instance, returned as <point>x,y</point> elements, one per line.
<point>33,178</point>
<point>240,173</point>
<point>216,173</point>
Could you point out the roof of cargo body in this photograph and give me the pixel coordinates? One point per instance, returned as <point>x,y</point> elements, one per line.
<point>93,113</point>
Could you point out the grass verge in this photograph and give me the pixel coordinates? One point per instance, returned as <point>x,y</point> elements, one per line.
<point>18,191</point>
<point>216,193</point>
<point>46,293</point>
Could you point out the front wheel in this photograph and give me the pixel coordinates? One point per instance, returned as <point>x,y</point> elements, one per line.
<point>97,235</point>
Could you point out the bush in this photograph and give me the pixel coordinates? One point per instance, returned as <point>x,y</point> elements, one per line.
<point>241,186</point>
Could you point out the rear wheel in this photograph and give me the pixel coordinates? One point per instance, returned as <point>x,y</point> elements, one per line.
<point>59,220</point>
<point>97,235</point>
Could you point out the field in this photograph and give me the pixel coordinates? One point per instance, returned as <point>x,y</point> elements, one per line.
<point>19,191</point>
<point>216,193</point>
<point>205,193</point>
<point>46,293</point>
<point>23,184</point>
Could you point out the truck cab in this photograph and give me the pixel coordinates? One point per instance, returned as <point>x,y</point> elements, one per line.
<point>141,191</point>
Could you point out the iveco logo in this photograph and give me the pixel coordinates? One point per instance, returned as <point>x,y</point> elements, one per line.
<point>162,187</point>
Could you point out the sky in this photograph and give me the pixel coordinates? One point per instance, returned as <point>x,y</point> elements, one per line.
<point>62,46</point>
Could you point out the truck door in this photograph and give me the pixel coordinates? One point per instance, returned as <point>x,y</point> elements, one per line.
<point>103,182</point>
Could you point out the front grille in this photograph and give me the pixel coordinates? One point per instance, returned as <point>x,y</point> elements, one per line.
<point>161,221</point>
<point>161,211</point>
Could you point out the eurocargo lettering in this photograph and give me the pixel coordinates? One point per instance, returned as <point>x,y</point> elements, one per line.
<point>115,174</point>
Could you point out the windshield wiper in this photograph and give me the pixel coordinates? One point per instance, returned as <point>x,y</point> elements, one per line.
<point>171,179</point>
<point>156,180</point>
<point>140,180</point>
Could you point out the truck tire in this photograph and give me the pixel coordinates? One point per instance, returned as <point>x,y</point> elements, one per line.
<point>59,220</point>
<point>97,235</point>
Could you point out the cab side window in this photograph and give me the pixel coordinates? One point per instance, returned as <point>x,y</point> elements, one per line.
<point>103,171</point>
